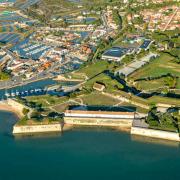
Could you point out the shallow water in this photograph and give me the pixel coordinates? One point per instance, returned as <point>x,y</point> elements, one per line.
<point>84,154</point>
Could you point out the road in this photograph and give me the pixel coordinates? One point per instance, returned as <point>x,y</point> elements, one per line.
<point>19,81</point>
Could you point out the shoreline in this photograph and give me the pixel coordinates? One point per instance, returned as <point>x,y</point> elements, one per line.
<point>142,132</point>
<point>7,108</point>
<point>12,106</point>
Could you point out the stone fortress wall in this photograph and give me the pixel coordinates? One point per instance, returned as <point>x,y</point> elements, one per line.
<point>37,128</point>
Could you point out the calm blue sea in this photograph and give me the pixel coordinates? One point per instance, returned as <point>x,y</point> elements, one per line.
<point>85,154</point>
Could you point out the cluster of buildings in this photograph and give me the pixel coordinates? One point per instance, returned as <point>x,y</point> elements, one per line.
<point>71,41</point>
<point>133,45</point>
<point>82,52</point>
<point>14,18</point>
<point>109,18</point>
<point>31,59</point>
<point>66,39</point>
<point>166,18</point>
<point>21,4</point>
<point>49,51</point>
<point>4,57</point>
<point>34,59</point>
<point>63,49</point>
<point>7,3</point>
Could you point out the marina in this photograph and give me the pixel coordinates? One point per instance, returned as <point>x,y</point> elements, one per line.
<point>35,88</point>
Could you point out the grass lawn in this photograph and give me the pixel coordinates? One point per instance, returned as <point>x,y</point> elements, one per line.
<point>94,68</point>
<point>47,100</point>
<point>97,98</point>
<point>105,79</point>
<point>75,76</point>
<point>160,66</point>
<point>131,97</point>
<point>4,76</point>
<point>148,85</point>
<point>178,83</point>
<point>61,107</point>
<point>164,100</point>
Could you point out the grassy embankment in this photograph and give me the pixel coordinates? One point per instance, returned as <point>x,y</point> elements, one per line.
<point>161,66</point>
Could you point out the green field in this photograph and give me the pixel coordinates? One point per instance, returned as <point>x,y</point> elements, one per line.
<point>47,100</point>
<point>110,84</point>
<point>164,100</point>
<point>151,85</point>
<point>94,68</point>
<point>97,98</point>
<point>160,66</point>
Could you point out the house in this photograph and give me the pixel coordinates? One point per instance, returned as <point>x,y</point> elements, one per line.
<point>99,86</point>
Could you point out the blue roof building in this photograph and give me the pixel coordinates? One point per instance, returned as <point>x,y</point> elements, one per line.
<point>114,54</point>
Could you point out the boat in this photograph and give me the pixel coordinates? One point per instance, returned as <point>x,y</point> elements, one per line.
<point>17,93</point>
<point>32,90</point>
<point>21,93</point>
<point>13,94</point>
<point>7,94</point>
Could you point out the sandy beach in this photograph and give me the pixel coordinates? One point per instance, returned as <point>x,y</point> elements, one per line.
<point>5,107</point>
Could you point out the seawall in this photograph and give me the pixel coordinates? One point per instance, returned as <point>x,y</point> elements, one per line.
<point>28,129</point>
<point>173,136</point>
<point>121,123</point>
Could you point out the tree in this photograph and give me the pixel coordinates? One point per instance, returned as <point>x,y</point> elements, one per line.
<point>36,115</point>
<point>25,111</point>
<point>170,81</point>
<point>152,118</point>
